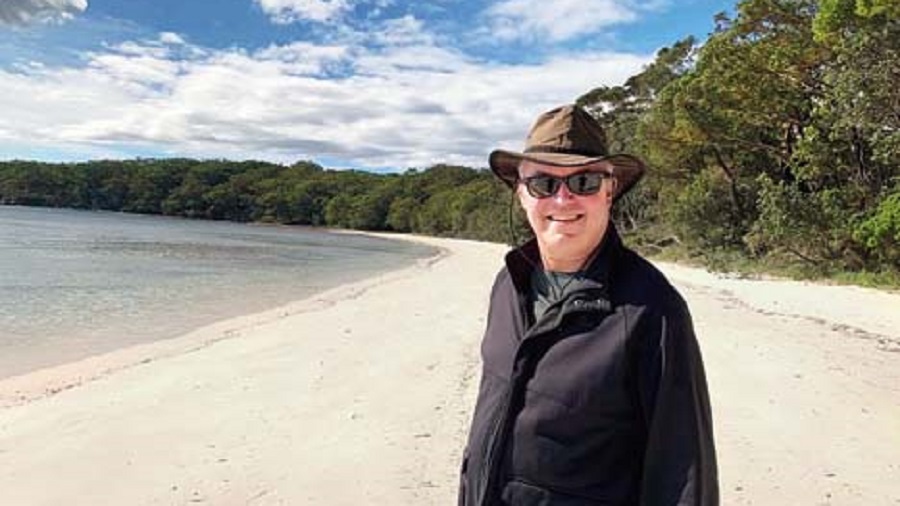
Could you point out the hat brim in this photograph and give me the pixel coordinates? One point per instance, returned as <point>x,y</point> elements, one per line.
<point>627,169</point>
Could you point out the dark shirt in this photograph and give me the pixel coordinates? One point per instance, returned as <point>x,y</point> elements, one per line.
<point>549,287</point>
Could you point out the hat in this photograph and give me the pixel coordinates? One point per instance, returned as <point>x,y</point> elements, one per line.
<point>567,136</point>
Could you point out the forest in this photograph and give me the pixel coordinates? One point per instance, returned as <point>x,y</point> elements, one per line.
<point>775,142</point>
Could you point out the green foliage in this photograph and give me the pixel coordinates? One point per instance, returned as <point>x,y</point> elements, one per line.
<point>771,142</point>
<point>621,110</point>
<point>401,214</point>
<point>836,18</point>
<point>442,200</point>
<point>810,226</point>
<point>879,233</point>
<point>704,215</point>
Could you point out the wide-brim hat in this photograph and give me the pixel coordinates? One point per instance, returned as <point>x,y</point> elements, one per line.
<point>567,136</point>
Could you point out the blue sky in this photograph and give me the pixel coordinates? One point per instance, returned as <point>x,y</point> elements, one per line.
<point>371,84</point>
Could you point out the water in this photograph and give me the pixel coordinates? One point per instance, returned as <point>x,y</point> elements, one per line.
<point>77,283</point>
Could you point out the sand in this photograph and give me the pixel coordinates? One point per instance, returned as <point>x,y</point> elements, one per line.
<point>362,395</point>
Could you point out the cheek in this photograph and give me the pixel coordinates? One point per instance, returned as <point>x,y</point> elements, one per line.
<point>600,211</point>
<point>532,210</point>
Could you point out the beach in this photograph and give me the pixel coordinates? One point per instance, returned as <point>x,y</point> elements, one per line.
<point>362,395</point>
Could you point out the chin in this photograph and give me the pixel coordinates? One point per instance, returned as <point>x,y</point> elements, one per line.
<point>557,241</point>
<point>566,233</point>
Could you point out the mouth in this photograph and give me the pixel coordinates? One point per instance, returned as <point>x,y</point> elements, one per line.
<point>565,218</point>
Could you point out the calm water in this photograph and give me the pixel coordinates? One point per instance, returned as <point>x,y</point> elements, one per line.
<point>76,283</point>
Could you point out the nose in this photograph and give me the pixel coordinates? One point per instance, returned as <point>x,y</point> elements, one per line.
<point>563,194</point>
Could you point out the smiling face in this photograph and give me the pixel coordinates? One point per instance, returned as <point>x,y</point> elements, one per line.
<point>568,227</point>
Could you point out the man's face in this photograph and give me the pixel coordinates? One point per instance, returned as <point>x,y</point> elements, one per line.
<point>568,227</point>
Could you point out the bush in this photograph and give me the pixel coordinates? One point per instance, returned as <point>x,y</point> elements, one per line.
<point>879,233</point>
<point>812,226</point>
<point>704,215</point>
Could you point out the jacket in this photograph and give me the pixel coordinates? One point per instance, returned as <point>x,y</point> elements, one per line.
<point>603,401</point>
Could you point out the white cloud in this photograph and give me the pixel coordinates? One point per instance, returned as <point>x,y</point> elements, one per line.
<point>289,11</point>
<point>322,11</point>
<point>407,105</point>
<point>23,12</point>
<point>402,31</point>
<point>555,21</point>
<point>303,58</point>
<point>170,38</point>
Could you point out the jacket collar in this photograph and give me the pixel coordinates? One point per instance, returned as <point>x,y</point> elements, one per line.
<point>522,261</point>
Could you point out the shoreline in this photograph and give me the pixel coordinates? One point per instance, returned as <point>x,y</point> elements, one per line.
<point>289,411</point>
<point>47,381</point>
<point>81,283</point>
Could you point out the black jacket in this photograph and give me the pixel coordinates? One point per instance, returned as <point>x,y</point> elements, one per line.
<point>601,402</point>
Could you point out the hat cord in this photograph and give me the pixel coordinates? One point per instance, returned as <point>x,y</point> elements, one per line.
<point>513,240</point>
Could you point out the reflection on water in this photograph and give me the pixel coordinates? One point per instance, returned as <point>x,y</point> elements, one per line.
<point>74,283</point>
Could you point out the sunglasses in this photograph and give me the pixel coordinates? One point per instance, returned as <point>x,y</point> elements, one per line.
<point>580,183</point>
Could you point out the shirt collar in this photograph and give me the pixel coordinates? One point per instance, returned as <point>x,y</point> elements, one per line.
<point>523,260</point>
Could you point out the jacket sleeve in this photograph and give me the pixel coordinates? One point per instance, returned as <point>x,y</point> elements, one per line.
<point>461,491</point>
<point>680,459</point>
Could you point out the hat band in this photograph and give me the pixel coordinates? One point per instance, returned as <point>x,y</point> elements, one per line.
<point>562,151</point>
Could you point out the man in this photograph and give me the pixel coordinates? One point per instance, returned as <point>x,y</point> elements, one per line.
<point>593,390</point>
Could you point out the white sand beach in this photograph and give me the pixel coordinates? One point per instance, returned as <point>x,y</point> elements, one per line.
<point>362,395</point>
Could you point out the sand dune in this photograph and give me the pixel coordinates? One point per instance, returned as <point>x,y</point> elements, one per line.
<point>361,395</point>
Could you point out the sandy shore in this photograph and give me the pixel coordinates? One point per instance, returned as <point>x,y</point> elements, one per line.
<point>361,395</point>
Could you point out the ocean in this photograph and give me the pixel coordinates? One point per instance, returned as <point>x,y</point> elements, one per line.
<point>77,283</point>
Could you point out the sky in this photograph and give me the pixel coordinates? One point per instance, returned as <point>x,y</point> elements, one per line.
<point>380,85</point>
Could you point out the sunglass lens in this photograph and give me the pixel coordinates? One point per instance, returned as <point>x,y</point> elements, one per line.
<point>586,183</point>
<point>542,186</point>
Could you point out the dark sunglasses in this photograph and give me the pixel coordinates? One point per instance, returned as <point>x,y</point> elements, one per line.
<point>579,183</point>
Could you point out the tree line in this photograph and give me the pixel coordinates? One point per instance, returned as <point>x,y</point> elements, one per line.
<point>777,139</point>
<point>442,200</point>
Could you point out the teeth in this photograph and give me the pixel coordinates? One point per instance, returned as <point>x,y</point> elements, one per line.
<point>564,218</point>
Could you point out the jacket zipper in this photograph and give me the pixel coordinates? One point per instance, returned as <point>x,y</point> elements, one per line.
<point>492,467</point>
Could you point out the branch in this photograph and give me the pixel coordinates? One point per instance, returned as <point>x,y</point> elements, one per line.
<point>803,257</point>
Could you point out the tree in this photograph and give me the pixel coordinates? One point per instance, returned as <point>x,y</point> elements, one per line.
<point>740,112</point>
<point>622,109</point>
